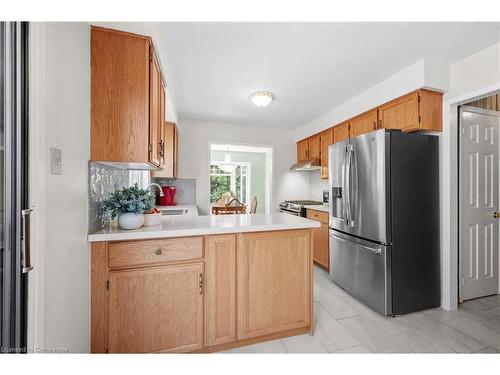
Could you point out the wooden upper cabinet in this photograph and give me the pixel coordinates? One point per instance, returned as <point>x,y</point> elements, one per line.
<point>155,112</point>
<point>364,123</point>
<point>170,151</point>
<point>125,99</point>
<point>302,150</point>
<point>157,309</point>
<point>314,147</point>
<point>326,139</point>
<point>161,126</point>
<point>420,110</point>
<point>341,132</point>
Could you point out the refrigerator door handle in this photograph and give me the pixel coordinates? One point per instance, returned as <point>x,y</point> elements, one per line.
<point>25,241</point>
<point>353,185</point>
<point>375,250</point>
<point>347,187</point>
<point>350,152</point>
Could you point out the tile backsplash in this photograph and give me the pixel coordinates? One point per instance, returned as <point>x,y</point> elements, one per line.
<point>317,185</point>
<point>186,188</point>
<point>103,179</point>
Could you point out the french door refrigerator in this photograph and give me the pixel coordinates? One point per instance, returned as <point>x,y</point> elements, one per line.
<point>384,220</point>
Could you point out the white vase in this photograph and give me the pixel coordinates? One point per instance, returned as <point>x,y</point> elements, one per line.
<point>130,221</point>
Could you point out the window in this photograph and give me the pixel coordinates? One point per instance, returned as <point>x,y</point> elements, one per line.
<point>230,176</point>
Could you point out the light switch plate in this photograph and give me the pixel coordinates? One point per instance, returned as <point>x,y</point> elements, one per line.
<point>55,161</point>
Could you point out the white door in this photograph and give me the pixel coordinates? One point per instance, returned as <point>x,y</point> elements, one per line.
<point>479,172</point>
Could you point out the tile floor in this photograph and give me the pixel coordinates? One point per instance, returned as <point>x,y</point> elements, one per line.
<point>344,325</point>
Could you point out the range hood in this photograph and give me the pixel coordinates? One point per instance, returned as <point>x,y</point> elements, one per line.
<point>309,165</point>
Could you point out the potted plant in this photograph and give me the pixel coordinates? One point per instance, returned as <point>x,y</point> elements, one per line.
<point>129,205</point>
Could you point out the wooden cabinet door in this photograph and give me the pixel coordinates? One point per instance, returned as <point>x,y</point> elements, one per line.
<point>274,292</point>
<point>156,309</point>
<point>302,150</point>
<point>119,97</point>
<point>161,126</point>
<point>364,123</point>
<point>320,246</point>
<point>401,113</point>
<point>341,132</point>
<point>321,253</point>
<point>155,122</point>
<point>314,147</point>
<point>176,151</point>
<point>221,289</point>
<point>170,152</point>
<point>326,140</point>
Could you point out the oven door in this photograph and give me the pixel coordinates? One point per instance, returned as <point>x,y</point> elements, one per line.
<point>285,211</point>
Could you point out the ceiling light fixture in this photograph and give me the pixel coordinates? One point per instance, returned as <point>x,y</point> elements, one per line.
<point>262,98</point>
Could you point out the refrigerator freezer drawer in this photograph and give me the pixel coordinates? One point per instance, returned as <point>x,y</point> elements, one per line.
<point>362,269</point>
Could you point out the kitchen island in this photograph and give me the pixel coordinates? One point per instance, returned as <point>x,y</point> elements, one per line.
<point>201,283</point>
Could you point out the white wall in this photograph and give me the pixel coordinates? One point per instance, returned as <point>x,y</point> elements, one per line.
<point>422,74</point>
<point>316,185</point>
<point>474,72</point>
<point>472,77</point>
<point>66,98</point>
<point>194,141</point>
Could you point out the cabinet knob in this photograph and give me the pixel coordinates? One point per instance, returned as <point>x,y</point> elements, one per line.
<point>158,251</point>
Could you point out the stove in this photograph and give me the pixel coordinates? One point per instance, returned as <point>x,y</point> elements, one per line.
<point>296,207</point>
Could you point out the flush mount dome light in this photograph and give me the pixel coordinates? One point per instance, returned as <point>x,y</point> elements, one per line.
<point>262,98</point>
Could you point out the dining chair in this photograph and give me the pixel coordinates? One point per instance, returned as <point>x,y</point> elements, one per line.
<point>253,205</point>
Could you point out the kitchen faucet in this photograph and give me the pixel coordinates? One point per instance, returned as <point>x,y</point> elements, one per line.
<point>158,186</point>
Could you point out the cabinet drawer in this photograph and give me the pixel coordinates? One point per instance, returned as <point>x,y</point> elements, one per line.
<point>129,254</point>
<point>317,215</point>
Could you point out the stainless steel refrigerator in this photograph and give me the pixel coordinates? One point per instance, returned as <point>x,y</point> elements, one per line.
<point>384,220</point>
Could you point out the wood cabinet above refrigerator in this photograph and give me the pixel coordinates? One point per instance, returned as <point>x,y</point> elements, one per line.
<point>127,100</point>
<point>418,110</point>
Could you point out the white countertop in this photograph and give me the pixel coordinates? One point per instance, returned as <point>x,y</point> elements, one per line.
<point>191,224</point>
<point>318,207</point>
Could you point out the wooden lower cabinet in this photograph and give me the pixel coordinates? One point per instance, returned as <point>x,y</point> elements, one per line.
<point>321,245</point>
<point>220,289</point>
<point>245,288</point>
<point>158,309</point>
<point>274,282</point>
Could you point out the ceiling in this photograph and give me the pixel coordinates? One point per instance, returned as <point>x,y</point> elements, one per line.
<point>212,68</point>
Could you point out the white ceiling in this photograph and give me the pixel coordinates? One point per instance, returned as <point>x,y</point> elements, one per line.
<point>311,67</point>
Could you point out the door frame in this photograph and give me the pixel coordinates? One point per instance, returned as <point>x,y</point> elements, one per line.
<point>449,195</point>
<point>270,171</point>
<point>477,110</point>
<point>37,170</point>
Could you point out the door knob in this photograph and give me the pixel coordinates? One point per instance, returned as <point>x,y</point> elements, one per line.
<point>496,215</point>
